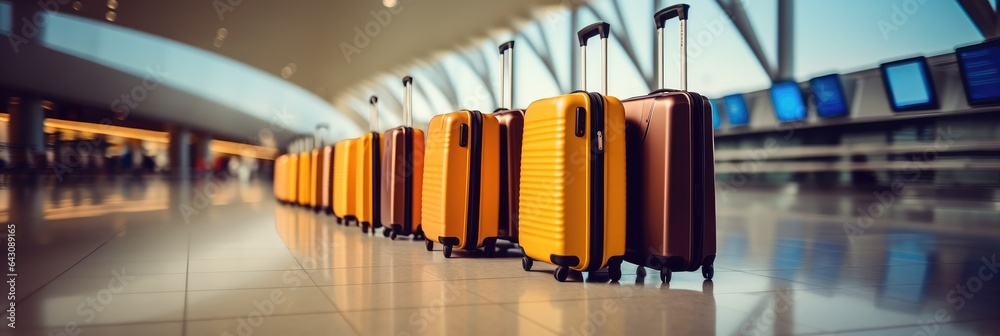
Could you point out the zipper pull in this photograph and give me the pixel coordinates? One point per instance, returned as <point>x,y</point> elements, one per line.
<point>600,141</point>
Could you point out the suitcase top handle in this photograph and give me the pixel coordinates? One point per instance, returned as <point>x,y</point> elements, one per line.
<point>373,114</point>
<point>507,75</point>
<point>602,29</point>
<point>408,101</point>
<point>679,11</point>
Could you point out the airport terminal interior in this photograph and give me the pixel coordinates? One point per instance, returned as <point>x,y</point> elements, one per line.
<point>426,167</point>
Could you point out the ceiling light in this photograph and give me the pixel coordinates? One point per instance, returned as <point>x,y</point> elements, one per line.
<point>113,4</point>
<point>222,33</point>
<point>77,5</point>
<point>111,16</point>
<point>389,3</point>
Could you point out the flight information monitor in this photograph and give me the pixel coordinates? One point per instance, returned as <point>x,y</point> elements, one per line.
<point>788,103</point>
<point>829,96</point>
<point>909,85</point>
<point>980,66</point>
<point>736,110</point>
<point>716,121</point>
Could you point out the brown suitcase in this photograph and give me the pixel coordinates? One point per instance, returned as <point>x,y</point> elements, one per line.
<point>511,132</point>
<point>671,225</point>
<point>326,194</point>
<point>402,174</point>
<point>321,161</point>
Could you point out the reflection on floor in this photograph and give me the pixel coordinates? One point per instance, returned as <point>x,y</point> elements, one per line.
<point>161,257</point>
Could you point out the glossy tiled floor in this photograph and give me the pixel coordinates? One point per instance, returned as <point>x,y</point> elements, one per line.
<point>157,257</point>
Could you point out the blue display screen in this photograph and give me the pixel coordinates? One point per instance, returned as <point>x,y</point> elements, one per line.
<point>788,103</point>
<point>830,99</point>
<point>909,84</point>
<point>981,72</point>
<point>716,121</point>
<point>736,110</point>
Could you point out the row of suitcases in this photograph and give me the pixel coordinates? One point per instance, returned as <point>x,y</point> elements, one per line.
<point>583,181</point>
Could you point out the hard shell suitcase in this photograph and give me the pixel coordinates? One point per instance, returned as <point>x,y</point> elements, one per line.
<point>461,181</point>
<point>314,178</point>
<point>326,192</point>
<point>305,174</point>
<point>369,170</point>
<point>320,162</point>
<point>344,181</point>
<point>572,202</point>
<point>672,172</point>
<point>511,132</point>
<point>292,176</point>
<point>403,174</point>
<point>279,177</point>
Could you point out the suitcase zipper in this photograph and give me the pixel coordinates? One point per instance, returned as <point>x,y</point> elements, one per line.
<point>408,181</point>
<point>597,225</point>
<point>698,181</point>
<point>475,158</point>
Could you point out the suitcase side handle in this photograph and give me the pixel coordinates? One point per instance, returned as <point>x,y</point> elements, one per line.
<point>602,29</point>
<point>408,101</point>
<point>507,75</point>
<point>679,11</point>
<point>373,114</point>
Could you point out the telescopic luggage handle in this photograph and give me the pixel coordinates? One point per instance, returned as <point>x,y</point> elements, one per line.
<point>408,101</point>
<point>320,135</point>
<point>507,75</point>
<point>373,114</point>
<point>679,11</point>
<point>602,29</point>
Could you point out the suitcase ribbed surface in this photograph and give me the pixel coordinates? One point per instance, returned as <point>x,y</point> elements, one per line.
<point>432,209</point>
<point>543,197</point>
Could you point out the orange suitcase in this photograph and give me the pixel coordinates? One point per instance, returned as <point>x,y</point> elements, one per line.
<point>305,174</point>
<point>320,162</point>
<point>344,181</point>
<point>279,177</point>
<point>292,175</point>
<point>461,181</point>
<point>403,173</point>
<point>511,133</point>
<point>572,204</point>
<point>369,169</point>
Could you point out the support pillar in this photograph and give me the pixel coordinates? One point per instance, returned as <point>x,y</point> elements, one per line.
<point>179,151</point>
<point>27,133</point>
<point>786,40</point>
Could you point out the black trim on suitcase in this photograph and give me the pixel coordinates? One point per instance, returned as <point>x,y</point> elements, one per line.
<point>698,181</point>
<point>475,181</point>
<point>376,180</point>
<point>597,224</point>
<point>408,182</point>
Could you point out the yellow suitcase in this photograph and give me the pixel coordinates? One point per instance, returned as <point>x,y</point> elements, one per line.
<point>305,175</point>
<point>326,183</point>
<point>344,181</point>
<point>279,177</point>
<point>369,171</point>
<point>292,179</point>
<point>318,169</point>
<point>461,184</point>
<point>572,202</point>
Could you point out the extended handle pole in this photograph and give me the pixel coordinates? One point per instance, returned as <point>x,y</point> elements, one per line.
<point>602,29</point>
<point>679,11</point>
<point>373,114</point>
<point>408,101</point>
